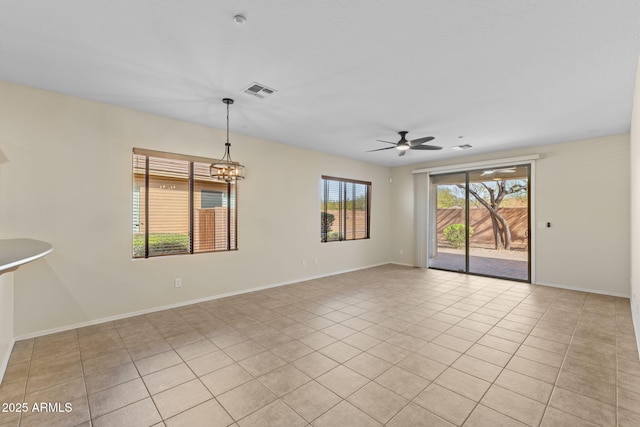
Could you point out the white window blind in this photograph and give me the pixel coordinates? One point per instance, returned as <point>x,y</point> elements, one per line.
<point>169,216</point>
<point>345,208</point>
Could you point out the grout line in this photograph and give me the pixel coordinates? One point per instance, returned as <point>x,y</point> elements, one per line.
<point>84,382</point>
<point>26,382</point>
<point>115,327</point>
<point>566,354</point>
<point>461,298</point>
<point>389,310</point>
<point>492,383</point>
<point>616,373</point>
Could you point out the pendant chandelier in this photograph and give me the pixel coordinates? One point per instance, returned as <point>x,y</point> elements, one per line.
<point>226,169</point>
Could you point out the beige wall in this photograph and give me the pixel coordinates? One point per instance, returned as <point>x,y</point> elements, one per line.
<point>635,208</point>
<point>67,180</point>
<point>582,188</point>
<point>65,177</point>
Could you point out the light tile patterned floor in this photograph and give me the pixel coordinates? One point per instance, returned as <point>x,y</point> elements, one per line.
<point>390,345</point>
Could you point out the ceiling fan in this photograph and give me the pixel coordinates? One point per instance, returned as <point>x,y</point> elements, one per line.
<point>403,145</point>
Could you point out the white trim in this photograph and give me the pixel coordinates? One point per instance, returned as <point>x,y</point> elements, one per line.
<point>590,291</point>
<point>532,221</point>
<point>403,264</point>
<point>469,166</point>
<point>636,324</point>
<point>5,359</point>
<point>181,304</point>
<point>421,221</point>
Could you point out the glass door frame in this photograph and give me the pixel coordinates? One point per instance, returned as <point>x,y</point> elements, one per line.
<point>423,207</point>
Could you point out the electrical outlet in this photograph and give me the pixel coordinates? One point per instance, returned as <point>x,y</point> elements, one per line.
<point>177,282</point>
<point>315,261</point>
<point>401,251</point>
<point>304,262</point>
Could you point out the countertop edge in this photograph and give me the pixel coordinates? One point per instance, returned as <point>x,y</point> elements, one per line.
<point>30,250</point>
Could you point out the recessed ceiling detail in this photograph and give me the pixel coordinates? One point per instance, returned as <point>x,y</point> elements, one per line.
<point>259,90</point>
<point>462,147</point>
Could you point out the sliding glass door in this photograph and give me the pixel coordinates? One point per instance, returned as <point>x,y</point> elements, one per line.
<point>447,245</point>
<point>479,222</point>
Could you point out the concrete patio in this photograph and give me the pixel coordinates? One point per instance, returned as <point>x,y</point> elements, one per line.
<point>487,262</point>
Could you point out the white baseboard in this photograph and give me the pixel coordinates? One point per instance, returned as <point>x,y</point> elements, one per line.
<point>401,263</point>
<point>554,285</point>
<point>5,359</point>
<point>259,288</point>
<point>591,291</point>
<point>180,304</point>
<point>635,318</point>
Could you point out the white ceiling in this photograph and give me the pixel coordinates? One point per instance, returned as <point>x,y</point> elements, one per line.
<point>502,73</point>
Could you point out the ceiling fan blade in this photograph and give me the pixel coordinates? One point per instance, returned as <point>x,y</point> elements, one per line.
<point>388,142</point>
<point>380,149</point>
<point>402,153</point>
<point>426,147</point>
<point>419,141</point>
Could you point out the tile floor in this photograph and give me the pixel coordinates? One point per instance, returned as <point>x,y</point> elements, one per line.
<point>390,345</point>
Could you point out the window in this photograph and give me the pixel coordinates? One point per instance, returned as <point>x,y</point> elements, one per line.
<point>345,207</point>
<point>211,199</point>
<point>178,208</point>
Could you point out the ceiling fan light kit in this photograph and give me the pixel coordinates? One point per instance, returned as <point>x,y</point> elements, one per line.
<point>226,169</point>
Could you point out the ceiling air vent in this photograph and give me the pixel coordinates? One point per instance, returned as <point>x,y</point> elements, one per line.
<point>259,90</point>
<point>462,147</point>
